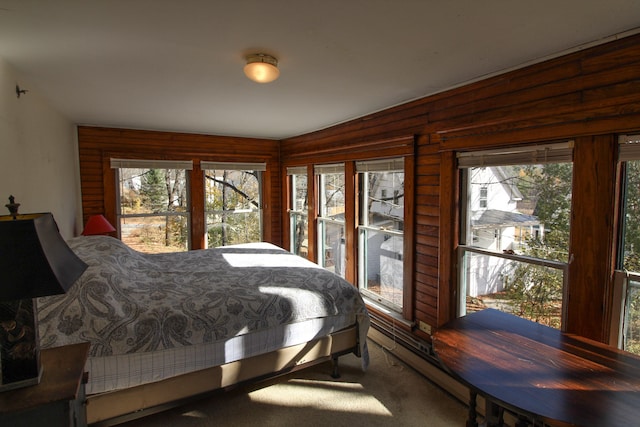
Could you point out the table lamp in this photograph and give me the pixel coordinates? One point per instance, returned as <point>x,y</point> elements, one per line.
<point>97,225</point>
<point>35,261</point>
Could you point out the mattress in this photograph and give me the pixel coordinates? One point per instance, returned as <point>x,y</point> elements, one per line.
<point>154,316</point>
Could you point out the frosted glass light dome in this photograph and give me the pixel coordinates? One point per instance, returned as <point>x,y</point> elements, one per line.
<point>261,68</point>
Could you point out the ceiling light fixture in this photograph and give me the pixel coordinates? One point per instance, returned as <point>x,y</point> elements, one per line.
<point>261,68</point>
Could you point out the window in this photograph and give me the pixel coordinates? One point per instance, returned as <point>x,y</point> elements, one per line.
<point>627,275</point>
<point>331,220</point>
<point>483,196</point>
<point>233,210</point>
<point>298,211</point>
<point>380,231</point>
<point>153,204</point>
<point>516,207</point>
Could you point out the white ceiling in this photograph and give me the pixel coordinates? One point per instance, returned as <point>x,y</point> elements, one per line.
<point>177,65</point>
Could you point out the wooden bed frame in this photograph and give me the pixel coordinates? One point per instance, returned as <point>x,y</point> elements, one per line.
<point>110,408</point>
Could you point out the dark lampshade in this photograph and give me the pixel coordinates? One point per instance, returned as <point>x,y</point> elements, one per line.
<point>97,224</point>
<point>35,261</point>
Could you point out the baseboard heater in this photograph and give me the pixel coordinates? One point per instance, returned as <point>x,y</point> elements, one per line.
<point>418,346</point>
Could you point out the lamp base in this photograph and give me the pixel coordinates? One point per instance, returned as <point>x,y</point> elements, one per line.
<point>19,345</point>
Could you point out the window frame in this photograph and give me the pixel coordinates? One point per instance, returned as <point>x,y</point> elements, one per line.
<point>403,147</point>
<point>484,196</point>
<point>183,165</point>
<point>561,152</point>
<point>323,222</point>
<point>628,150</point>
<point>260,168</point>
<point>294,214</point>
<point>363,228</point>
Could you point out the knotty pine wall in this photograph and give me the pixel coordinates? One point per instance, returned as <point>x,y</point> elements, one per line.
<point>98,181</point>
<point>589,97</point>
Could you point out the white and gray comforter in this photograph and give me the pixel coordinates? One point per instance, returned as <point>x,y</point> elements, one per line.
<point>128,302</point>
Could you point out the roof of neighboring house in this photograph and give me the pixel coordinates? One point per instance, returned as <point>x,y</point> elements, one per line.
<point>508,184</point>
<point>393,244</point>
<point>494,217</point>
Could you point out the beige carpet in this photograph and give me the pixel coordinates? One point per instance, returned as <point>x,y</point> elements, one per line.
<point>388,394</point>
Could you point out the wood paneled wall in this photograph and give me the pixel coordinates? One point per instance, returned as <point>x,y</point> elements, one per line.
<point>98,182</point>
<point>589,96</point>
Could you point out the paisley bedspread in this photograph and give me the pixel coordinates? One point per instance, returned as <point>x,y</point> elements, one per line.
<point>130,302</point>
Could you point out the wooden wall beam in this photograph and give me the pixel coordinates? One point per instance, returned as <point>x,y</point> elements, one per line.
<point>593,248</point>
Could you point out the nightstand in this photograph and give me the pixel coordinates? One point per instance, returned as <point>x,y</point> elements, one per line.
<point>59,399</point>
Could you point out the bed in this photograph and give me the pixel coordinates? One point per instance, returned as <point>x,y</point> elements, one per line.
<point>164,327</point>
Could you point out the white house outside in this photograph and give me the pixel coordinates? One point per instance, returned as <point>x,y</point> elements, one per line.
<point>496,224</point>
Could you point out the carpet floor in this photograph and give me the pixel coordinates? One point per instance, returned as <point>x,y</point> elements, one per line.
<point>389,393</point>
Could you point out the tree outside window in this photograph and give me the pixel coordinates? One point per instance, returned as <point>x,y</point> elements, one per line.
<point>153,209</point>
<point>630,255</point>
<point>232,206</point>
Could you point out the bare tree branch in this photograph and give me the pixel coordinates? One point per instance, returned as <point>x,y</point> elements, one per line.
<point>234,188</point>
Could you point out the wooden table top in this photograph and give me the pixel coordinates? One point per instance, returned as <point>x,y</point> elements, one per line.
<point>562,379</point>
<point>63,369</point>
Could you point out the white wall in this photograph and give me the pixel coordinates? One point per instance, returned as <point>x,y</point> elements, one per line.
<point>38,154</point>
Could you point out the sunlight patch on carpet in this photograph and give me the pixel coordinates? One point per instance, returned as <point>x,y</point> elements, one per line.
<point>321,395</point>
